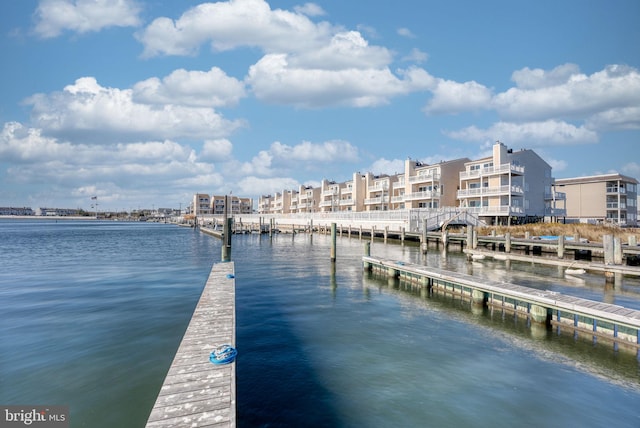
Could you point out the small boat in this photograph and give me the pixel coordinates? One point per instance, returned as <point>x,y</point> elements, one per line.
<point>574,271</point>
<point>477,256</point>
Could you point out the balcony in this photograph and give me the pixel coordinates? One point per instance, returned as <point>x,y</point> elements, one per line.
<point>330,192</point>
<point>615,190</point>
<point>424,178</point>
<point>428,194</point>
<point>499,170</point>
<point>347,202</point>
<point>372,201</point>
<point>490,191</point>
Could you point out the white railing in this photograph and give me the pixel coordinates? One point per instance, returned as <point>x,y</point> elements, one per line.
<point>490,191</point>
<point>502,169</point>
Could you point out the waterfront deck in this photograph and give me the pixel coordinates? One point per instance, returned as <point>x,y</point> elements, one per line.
<point>196,392</point>
<point>597,319</point>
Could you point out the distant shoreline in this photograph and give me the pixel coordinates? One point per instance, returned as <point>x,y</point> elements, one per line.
<point>47,217</point>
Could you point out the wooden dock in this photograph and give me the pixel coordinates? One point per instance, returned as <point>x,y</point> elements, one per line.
<point>196,392</point>
<point>599,320</point>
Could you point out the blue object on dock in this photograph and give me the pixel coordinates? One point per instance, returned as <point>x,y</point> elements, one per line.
<point>223,354</point>
<point>230,275</point>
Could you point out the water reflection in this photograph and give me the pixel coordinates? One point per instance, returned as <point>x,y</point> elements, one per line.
<point>556,344</point>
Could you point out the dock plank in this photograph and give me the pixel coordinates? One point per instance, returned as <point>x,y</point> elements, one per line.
<point>195,392</point>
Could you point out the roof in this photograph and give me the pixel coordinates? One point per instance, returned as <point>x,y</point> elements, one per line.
<point>596,178</point>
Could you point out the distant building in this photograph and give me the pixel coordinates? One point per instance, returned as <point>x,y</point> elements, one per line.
<point>16,211</point>
<point>201,204</point>
<point>58,212</point>
<point>607,198</point>
<point>237,205</point>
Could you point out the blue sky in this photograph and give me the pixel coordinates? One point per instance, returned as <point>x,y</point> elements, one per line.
<point>144,103</point>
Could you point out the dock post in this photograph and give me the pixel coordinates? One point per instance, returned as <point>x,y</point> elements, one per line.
<point>507,242</point>
<point>423,244</point>
<point>226,230</point>
<point>386,233</point>
<point>607,247</point>
<point>633,241</point>
<point>561,246</point>
<point>540,314</point>
<point>360,232</point>
<point>445,239</point>
<point>373,232</point>
<point>333,242</point>
<point>402,235</point>
<point>226,240</point>
<point>617,250</point>
<point>367,252</point>
<point>469,237</point>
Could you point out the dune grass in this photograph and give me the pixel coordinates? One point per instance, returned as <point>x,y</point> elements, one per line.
<point>591,232</point>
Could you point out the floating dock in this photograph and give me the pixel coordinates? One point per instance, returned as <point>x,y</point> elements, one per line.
<point>196,392</point>
<point>599,320</point>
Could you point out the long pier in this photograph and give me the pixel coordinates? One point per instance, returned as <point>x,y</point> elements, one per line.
<point>615,323</point>
<point>196,392</point>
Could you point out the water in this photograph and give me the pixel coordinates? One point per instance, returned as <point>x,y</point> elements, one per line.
<point>92,314</point>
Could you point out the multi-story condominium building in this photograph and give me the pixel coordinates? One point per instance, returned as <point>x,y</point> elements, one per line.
<point>264,204</point>
<point>305,199</point>
<point>280,203</point>
<point>237,205</point>
<point>378,196</point>
<point>428,186</point>
<point>330,196</point>
<point>201,204</point>
<point>507,186</point>
<point>607,198</point>
<point>352,193</point>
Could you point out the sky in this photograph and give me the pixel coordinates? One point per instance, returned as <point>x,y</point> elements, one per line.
<point>142,103</point>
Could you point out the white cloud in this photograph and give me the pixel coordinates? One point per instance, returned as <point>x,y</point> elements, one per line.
<point>101,115</point>
<point>453,97</point>
<point>329,151</point>
<point>626,118</point>
<point>345,50</point>
<point>273,80</point>
<point>527,78</point>
<point>386,166</point>
<point>405,32</point>
<point>82,16</point>
<point>565,93</point>
<point>117,172</point>
<point>216,150</point>
<point>534,134</point>
<point>416,55</point>
<point>264,186</point>
<point>211,88</point>
<point>309,9</point>
<point>231,24</point>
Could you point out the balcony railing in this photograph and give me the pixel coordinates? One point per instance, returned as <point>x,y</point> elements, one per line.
<point>427,194</point>
<point>490,191</point>
<point>616,190</point>
<point>421,178</point>
<point>330,192</point>
<point>502,169</point>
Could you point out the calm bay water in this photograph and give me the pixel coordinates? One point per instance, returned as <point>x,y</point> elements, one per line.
<point>92,313</point>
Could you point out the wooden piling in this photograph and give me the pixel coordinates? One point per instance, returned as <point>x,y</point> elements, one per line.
<point>333,242</point>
